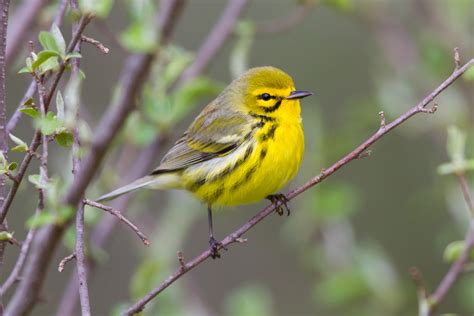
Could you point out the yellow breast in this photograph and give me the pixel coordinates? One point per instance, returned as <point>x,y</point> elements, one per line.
<point>258,168</point>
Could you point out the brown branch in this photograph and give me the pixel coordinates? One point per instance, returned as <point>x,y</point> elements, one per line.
<point>65,260</point>
<point>96,43</point>
<point>81,262</point>
<point>80,253</point>
<point>214,41</point>
<point>132,78</point>
<point>119,215</point>
<point>232,238</point>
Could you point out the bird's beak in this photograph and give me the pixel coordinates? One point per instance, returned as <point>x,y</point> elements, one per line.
<point>298,95</point>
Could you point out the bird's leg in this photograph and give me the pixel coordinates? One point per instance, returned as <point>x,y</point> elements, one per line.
<point>281,203</point>
<point>215,245</point>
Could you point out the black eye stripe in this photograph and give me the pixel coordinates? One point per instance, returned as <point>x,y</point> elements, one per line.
<point>266,97</point>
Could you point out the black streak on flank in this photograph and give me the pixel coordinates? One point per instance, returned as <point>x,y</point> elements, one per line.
<point>270,134</point>
<point>228,170</point>
<point>214,196</point>
<point>263,153</point>
<point>196,185</point>
<point>273,108</point>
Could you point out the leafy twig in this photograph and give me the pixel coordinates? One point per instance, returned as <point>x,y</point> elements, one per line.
<point>231,238</point>
<point>132,78</point>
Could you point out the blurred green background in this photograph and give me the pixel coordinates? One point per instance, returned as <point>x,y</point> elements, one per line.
<point>349,242</point>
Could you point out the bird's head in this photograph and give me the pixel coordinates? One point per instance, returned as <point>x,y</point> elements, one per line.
<point>269,91</point>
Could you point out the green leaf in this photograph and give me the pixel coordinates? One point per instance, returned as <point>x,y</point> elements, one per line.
<point>73,55</point>
<point>249,300</point>
<point>22,146</point>
<point>5,236</point>
<point>469,74</point>
<point>140,37</point>
<point>60,105</point>
<point>29,63</point>
<point>50,64</point>
<point>65,139</point>
<point>28,102</point>
<point>49,124</point>
<point>35,179</point>
<point>12,166</point>
<point>30,112</point>
<point>47,41</point>
<point>44,56</point>
<point>100,8</point>
<point>24,70</point>
<point>58,39</point>
<point>456,143</point>
<point>453,251</point>
<point>41,219</point>
<point>3,160</point>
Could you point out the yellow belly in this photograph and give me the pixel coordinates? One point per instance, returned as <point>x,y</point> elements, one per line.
<point>255,170</point>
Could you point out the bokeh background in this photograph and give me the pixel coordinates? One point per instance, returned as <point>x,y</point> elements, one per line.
<point>348,245</point>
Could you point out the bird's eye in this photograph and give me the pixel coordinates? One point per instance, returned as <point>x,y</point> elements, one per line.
<point>265,96</point>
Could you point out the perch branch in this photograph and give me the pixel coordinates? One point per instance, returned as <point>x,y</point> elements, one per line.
<point>231,238</point>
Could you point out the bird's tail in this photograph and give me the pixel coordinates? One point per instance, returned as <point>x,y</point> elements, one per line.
<point>162,181</point>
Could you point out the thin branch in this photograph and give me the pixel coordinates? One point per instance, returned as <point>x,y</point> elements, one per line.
<point>65,260</point>
<point>81,262</point>
<point>25,247</point>
<point>216,38</point>
<point>96,43</point>
<point>231,238</point>
<point>119,215</point>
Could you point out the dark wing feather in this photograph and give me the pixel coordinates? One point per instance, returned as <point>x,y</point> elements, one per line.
<point>213,133</point>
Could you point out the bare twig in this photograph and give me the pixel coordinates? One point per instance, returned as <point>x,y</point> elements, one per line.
<point>231,238</point>
<point>119,215</point>
<point>81,262</point>
<point>65,260</point>
<point>214,40</point>
<point>96,43</point>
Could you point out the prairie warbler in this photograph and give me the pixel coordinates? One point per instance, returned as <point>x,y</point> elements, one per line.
<point>243,147</point>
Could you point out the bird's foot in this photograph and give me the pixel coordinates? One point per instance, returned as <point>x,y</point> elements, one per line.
<point>215,246</point>
<point>280,201</point>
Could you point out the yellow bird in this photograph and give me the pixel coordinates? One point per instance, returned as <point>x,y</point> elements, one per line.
<point>243,147</point>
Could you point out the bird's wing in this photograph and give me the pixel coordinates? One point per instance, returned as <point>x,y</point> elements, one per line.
<point>215,132</point>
